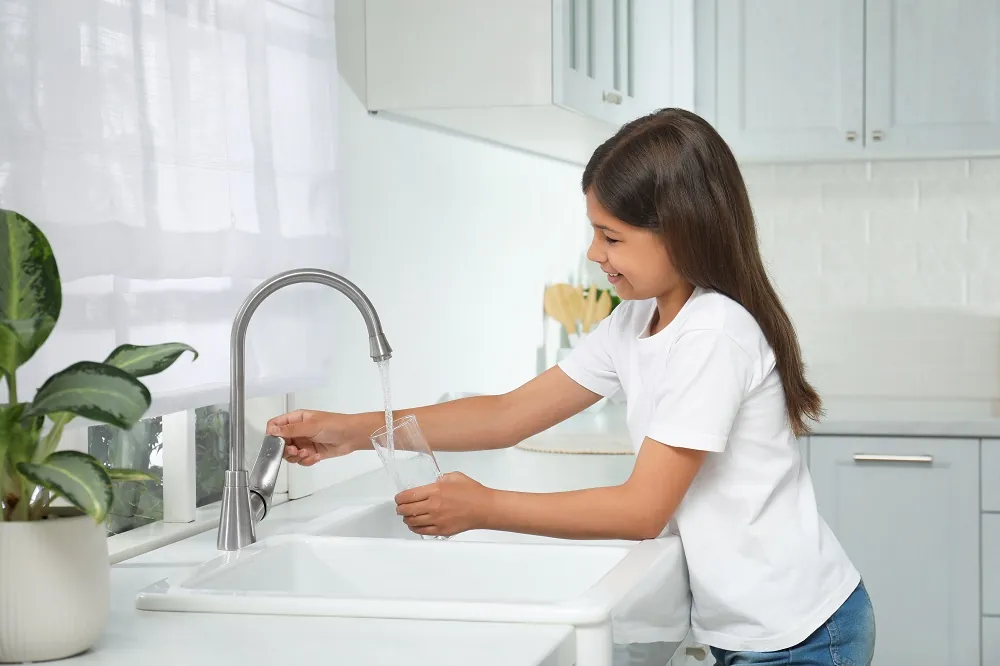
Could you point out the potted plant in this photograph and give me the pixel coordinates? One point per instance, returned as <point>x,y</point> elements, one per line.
<point>54,570</point>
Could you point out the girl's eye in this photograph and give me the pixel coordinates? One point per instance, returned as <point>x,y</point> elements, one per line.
<point>611,241</point>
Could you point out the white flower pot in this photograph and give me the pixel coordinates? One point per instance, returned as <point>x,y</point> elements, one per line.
<point>54,587</point>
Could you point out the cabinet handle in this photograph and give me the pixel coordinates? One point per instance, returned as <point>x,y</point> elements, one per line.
<point>870,457</point>
<point>612,98</point>
<point>878,135</point>
<point>852,136</point>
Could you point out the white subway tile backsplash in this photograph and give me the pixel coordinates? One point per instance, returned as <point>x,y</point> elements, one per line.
<point>869,259</point>
<point>983,291</point>
<point>984,224</point>
<point>947,226</point>
<point>921,233</point>
<point>810,226</point>
<point>775,196</point>
<point>950,193</point>
<point>852,171</point>
<point>933,258</point>
<point>985,167</point>
<point>831,290</point>
<point>859,196</point>
<point>886,267</point>
<point>757,173</point>
<point>793,257</point>
<point>917,169</point>
<point>923,289</point>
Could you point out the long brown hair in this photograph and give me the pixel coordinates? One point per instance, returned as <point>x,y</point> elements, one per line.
<point>671,172</point>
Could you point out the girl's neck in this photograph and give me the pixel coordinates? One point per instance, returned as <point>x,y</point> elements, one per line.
<point>668,305</point>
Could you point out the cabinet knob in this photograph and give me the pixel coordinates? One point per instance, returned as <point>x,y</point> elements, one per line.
<point>852,136</point>
<point>878,135</point>
<point>612,98</point>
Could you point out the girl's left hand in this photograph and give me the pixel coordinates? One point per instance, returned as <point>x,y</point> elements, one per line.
<point>452,504</point>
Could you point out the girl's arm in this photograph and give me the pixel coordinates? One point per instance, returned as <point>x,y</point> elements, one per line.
<point>467,424</point>
<point>494,421</point>
<point>637,509</point>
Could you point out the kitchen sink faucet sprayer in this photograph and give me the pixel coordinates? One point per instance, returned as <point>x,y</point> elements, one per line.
<point>246,496</point>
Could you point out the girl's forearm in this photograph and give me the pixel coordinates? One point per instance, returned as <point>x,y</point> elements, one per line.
<point>466,424</point>
<point>493,421</point>
<point>612,512</point>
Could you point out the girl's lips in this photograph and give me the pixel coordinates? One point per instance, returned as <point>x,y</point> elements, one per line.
<point>615,278</point>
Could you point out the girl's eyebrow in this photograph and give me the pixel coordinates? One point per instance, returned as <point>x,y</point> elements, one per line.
<point>602,227</point>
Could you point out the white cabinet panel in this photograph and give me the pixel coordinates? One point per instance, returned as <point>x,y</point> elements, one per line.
<point>790,76</point>
<point>932,75</point>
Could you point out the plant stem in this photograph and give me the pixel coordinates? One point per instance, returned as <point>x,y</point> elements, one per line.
<point>23,502</point>
<point>51,440</point>
<point>11,389</point>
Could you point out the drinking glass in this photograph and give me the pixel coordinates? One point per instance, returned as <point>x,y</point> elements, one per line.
<point>410,462</point>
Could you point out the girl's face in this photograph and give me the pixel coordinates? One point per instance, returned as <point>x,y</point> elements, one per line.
<point>635,259</point>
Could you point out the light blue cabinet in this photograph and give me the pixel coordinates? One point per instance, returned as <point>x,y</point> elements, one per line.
<point>785,79</point>
<point>907,511</point>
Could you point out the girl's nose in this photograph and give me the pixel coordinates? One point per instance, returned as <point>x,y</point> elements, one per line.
<point>594,254</point>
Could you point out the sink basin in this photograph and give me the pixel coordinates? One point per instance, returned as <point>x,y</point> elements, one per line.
<point>381,521</point>
<point>351,576</point>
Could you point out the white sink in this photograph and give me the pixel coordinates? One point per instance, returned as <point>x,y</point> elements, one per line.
<point>381,521</point>
<point>308,574</point>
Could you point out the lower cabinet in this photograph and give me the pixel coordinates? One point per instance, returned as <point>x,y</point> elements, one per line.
<point>907,512</point>
<point>991,641</point>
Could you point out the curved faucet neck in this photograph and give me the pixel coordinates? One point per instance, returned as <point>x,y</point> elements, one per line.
<point>379,348</point>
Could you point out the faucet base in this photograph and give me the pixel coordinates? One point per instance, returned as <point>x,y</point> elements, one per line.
<point>236,523</point>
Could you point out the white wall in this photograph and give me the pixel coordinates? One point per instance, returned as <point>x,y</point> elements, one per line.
<point>890,271</point>
<point>453,241</point>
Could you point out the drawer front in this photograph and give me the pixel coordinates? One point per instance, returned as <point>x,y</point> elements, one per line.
<point>991,641</point>
<point>991,475</point>
<point>991,564</point>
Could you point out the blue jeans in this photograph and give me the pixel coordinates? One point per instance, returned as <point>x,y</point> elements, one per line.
<point>846,639</point>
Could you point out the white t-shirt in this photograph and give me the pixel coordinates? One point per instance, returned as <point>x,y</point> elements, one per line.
<point>765,569</point>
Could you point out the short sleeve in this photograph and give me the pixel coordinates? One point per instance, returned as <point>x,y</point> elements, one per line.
<point>591,363</point>
<point>706,377</point>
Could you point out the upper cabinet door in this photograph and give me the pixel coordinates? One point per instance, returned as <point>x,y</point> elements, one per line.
<point>584,57</point>
<point>933,76</point>
<point>617,60</point>
<point>790,77</point>
<point>656,55</point>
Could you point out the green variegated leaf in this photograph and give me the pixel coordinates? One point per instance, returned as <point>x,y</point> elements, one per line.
<point>116,474</point>
<point>95,391</point>
<point>75,476</point>
<point>30,291</point>
<point>140,361</point>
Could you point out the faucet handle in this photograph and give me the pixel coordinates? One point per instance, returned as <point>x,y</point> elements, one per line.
<point>264,475</point>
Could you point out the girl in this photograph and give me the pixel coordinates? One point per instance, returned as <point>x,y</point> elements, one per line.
<point>716,393</point>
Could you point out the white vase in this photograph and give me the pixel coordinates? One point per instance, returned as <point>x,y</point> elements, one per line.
<point>54,587</point>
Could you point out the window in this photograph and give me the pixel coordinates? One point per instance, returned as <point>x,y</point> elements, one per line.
<point>141,448</point>
<point>211,444</point>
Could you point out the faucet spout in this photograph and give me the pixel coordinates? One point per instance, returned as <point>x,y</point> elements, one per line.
<point>246,497</point>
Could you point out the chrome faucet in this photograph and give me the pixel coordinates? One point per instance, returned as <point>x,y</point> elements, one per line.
<point>247,496</point>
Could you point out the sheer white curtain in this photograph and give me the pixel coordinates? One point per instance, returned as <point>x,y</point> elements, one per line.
<point>176,153</point>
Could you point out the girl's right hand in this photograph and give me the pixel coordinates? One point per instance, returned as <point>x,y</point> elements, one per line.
<point>311,436</point>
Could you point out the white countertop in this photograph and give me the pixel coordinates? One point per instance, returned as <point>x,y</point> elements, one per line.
<point>605,431</point>
<point>243,640</point>
<point>910,418</point>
